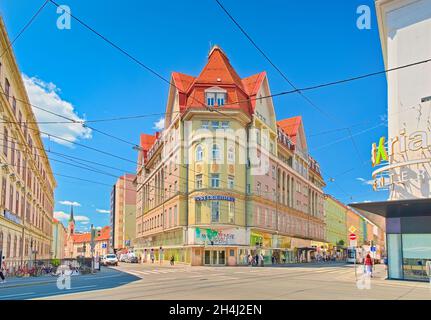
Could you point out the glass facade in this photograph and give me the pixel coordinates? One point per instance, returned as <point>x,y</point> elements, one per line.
<point>408,256</point>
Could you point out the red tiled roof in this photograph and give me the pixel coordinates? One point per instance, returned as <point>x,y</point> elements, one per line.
<point>182,81</point>
<point>252,84</point>
<point>290,126</point>
<point>54,220</point>
<point>86,237</point>
<point>218,72</point>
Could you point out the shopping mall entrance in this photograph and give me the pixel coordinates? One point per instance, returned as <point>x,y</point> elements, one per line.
<point>215,257</point>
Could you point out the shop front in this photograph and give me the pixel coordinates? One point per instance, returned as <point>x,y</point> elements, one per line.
<point>261,243</point>
<point>408,236</point>
<point>217,246</point>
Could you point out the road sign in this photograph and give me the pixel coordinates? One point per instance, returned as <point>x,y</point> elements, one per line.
<point>352,236</point>
<point>373,249</point>
<point>352,229</point>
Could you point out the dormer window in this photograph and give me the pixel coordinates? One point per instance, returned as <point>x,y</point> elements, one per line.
<point>215,96</point>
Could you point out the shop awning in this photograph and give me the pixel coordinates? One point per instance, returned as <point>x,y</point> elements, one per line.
<point>396,208</point>
<point>377,212</point>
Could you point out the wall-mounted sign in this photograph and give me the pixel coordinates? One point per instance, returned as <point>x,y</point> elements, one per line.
<point>225,198</point>
<point>214,237</point>
<point>401,153</point>
<point>12,217</point>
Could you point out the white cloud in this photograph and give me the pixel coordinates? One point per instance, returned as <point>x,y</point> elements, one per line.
<point>368,182</point>
<point>46,95</point>
<point>61,215</point>
<point>81,218</point>
<point>159,125</point>
<point>70,203</point>
<point>103,211</point>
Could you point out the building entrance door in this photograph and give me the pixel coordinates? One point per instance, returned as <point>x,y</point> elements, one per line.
<point>215,257</point>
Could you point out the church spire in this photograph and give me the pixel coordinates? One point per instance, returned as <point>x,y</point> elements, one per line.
<point>71,214</point>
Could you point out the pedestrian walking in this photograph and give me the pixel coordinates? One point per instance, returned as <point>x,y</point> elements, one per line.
<point>172,260</point>
<point>261,260</point>
<point>152,255</point>
<point>2,270</point>
<point>250,260</point>
<point>160,255</point>
<point>256,260</point>
<point>368,263</point>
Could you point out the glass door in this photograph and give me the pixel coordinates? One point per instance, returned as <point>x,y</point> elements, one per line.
<point>207,257</point>
<point>221,257</point>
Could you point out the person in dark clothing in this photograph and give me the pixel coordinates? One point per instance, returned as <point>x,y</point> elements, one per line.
<point>172,260</point>
<point>2,270</point>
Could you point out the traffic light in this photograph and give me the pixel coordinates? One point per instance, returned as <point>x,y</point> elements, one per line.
<point>98,233</point>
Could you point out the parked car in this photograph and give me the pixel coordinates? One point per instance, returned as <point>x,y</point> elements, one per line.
<point>110,260</point>
<point>133,259</point>
<point>123,258</point>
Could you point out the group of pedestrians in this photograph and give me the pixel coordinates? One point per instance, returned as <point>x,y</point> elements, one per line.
<point>153,256</point>
<point>256,260</point>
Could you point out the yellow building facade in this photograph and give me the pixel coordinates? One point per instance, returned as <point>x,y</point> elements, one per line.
<point>26,180</point>
<point>225,179</point>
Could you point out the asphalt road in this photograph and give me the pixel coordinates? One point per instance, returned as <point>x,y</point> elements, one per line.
<point>46,286</point>
<point>153,281</point>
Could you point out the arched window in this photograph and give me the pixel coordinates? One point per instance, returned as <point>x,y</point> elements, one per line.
<point>15,247</point>
<point>215,152</point>
<point>231,154</point>
<point>8,244</point>
<point>199,153</point>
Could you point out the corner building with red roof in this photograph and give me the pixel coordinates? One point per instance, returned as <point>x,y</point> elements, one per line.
<point>224,178</point>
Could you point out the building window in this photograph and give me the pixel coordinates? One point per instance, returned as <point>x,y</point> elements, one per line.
<point>5,141</point>
<point>215,152</point>
<point>215,124</point>
<point>231,212</point>
<point>3,193</point>
<point>198,211</point>
<point>230,182</point>
<point>215,211</point>
<point>205,124</point>
<point>221,98</point>
<point>199,181</point>
<point>231,154</point>
<point>215,180</point>
<point>225,125</point>
<point>11,192</point>
<point>199,153</point>
<point>213,97</point>
<point>258,188</point>
<point>7,88</point>
<point>175,216</point>
<point>14,105</point>
<point>210,97</point>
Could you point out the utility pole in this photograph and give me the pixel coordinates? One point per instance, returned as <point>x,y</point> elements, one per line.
<point>92,244</point>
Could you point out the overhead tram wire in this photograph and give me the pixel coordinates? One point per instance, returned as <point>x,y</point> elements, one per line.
<point>24,28</point>
<point>307,99</point>
<point>114,137</point>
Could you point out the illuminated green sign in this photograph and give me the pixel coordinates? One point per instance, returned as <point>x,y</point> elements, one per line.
<point>378,153</point>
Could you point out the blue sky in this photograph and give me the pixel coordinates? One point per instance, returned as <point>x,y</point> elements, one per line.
<point>312,42</point>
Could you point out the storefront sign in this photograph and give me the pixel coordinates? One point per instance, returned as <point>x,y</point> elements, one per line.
<point>258,239</point>
<point>403,146</point>
<point>10,216</point>
<point>214,237</point>
<point>225,198</point>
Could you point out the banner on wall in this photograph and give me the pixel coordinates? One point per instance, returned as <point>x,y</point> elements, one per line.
<point>208,236</point>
